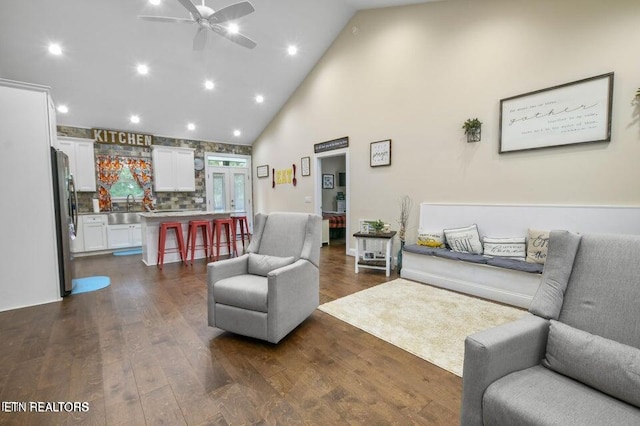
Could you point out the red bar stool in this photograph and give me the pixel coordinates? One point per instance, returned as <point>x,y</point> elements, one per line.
<point>244,223</point>
<point>218,224</point>
<point>192,236</point>
<point>162,239</point>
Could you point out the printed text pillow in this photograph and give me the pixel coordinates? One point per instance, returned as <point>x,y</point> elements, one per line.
<point>431,239</point>
<point>512,248</point>
<point>464,240</point>
<point>537,246</point>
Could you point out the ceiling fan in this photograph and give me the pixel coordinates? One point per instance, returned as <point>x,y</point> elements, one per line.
<point>209,19</point>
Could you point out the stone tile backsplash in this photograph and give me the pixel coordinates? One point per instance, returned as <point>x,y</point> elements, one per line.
<point>164,200</point>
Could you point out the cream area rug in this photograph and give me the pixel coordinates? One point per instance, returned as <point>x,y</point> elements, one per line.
<point>429,322</point>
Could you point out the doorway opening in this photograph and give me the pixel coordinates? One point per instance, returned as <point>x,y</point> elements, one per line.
<point>332,196</point>
<point>228,184</point>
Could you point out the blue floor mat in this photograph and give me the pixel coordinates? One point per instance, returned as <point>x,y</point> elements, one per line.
<point>84,285</point>
<point>128,252</point>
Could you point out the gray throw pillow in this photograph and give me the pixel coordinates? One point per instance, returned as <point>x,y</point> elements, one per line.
<point>603,364</point>
<point>262,264</point>
<point>563,246</point>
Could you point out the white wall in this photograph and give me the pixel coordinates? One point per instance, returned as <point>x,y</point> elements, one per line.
<point>414,74</point>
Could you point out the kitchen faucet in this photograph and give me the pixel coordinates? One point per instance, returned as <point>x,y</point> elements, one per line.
<point>133,200</point>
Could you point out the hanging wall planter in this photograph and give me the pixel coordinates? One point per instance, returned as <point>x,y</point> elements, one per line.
<point>473,129</point>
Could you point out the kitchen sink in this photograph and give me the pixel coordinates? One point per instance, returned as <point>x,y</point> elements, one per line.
<point>123,218</point>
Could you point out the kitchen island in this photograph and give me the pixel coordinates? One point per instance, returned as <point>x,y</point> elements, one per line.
<point>151,230</point>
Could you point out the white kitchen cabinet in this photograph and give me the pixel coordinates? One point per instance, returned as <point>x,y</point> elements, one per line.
<point>122,236</point>
<point>94,232</point>
<point>81,162</point>
<point>173,169</point>
<point>136,235</point>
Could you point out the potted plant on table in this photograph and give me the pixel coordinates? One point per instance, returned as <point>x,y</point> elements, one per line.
<point>472,128</point>
<point>377,225</point>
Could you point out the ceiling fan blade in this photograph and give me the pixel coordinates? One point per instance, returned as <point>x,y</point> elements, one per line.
<point>191,8</point>
<point>231,12</point>
<point>200,39</point>
<point>236,38</point>
<point>166,19</point>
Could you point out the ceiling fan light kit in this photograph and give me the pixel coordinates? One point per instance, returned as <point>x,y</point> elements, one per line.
<point>209,19</point>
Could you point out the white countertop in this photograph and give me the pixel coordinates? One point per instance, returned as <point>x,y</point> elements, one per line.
<point>182,213</point>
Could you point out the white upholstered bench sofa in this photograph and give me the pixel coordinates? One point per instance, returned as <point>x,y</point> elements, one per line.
<point>505,285</point>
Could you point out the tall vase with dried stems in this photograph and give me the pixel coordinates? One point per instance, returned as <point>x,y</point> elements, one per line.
<point>405,209</point>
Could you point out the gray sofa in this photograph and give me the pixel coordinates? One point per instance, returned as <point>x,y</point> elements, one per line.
<point>271,289</point>
<point>576,359</point>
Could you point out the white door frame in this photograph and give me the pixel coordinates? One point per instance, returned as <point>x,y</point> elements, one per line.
<point>249,193</point>
<point>318,187</point>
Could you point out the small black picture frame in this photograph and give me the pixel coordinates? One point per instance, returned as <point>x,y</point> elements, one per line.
<point>305,168</point>
<point>262,171</point>
<point>342,179</point>
<point>327,181</point>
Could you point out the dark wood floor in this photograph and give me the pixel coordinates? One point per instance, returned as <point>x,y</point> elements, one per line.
<point>140,352</point>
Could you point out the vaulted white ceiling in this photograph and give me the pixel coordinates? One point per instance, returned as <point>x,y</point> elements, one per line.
<point>103,42</point>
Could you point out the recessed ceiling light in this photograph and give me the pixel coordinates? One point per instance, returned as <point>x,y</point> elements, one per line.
<point>55,49</point>
<point>233,28</point>
<point>292,50</point>
<point>135,119</point>
<point>142,69</point>
<point>237,133</point>
<point>154,2</point>
<point>63,109</point>
<point>191,126</point>
<point>209,85</point>
<point>259,99</point>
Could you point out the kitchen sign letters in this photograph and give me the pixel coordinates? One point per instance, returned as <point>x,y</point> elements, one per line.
<point>116,137</point>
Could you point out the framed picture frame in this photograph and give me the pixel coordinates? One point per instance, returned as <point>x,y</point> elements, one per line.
<point>572,113</point>
<point>380,153</point>
<point>327,181</point>
<point>305,166</point>
<point>262,171</point>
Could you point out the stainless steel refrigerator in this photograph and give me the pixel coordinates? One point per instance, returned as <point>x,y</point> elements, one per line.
<point>66,211</point>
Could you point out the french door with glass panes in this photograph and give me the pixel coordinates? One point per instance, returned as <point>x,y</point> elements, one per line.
<point>229,190</point>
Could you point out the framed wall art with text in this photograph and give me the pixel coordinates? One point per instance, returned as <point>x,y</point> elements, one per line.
<point>380,153</point>
<point>571,113</point>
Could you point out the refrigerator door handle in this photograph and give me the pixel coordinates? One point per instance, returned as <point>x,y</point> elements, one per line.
<point>73,211</point>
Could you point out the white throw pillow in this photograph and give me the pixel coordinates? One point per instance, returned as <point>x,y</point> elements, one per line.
<point>464,240</point>
<point>537,246</point>
<point>513,248</point>
<point>431,239</point>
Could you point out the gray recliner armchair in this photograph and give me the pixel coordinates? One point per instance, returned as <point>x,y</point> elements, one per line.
<point>271,289</point>
<point>576,360</point>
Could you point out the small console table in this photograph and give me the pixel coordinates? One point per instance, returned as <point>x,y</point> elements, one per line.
<point>368,259</point>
